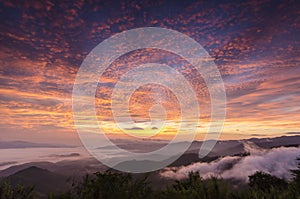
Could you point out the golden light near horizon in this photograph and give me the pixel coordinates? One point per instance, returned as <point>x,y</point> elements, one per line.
<point>39,62</point>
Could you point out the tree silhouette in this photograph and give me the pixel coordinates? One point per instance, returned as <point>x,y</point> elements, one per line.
<point>17,192</point>
<point>296,173</point>
<point>116,185</point>
<point>264,181</point>
<point>295,184</point>
<point>112,185</point>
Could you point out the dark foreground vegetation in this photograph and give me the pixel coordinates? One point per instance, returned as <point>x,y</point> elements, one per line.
<point>120,185</point>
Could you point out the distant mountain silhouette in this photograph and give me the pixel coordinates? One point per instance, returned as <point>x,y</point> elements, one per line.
<point>222,148</point>
<point>277,141</point>
<point>66,167</point>
<point>43,180</point>
<point>23,144</point>
<point>52,177</point>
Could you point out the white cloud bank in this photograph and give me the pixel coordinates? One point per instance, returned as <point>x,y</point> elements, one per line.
<point>277,161</point>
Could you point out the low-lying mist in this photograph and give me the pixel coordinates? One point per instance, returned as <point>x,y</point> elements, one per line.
<point>276,161</point>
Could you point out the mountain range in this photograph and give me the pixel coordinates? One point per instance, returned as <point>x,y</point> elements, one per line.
<point>55,177</point>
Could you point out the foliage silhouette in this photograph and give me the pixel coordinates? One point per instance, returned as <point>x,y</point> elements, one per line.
<point>17,192</point>
<point>116,185</point>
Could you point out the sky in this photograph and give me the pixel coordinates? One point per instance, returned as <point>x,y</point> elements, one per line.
<point>255,45</point>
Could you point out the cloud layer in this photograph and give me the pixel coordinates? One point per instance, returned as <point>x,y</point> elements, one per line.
<point>254,44</point>
<point>276,161</point>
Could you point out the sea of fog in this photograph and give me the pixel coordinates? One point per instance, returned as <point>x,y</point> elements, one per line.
<point>10,157</point>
